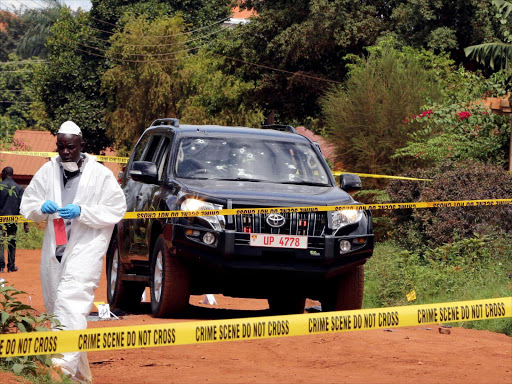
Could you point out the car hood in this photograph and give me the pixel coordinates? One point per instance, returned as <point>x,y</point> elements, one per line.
<point>267,194</point>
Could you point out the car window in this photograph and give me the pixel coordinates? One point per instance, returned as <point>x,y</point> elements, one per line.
<point>237,158</point>
<point>163,155</point>
<point>150,154</point>
<point>139,149</point>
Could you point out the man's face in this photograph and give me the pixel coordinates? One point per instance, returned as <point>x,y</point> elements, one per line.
<point>69,147</point>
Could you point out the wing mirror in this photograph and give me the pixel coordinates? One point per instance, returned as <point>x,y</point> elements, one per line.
<point>350,182</point>
<point>144,172</point>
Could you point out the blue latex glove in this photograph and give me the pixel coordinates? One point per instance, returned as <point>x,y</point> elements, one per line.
<point>70,211</point>
<point>49,207</point>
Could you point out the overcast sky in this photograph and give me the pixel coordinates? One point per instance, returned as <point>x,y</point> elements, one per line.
<point>74,4</point>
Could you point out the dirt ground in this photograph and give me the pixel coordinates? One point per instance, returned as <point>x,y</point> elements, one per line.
<point>406,355</point>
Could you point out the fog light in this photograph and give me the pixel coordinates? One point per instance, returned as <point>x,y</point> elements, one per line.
<point>345,246</point>
<point>209,238</point>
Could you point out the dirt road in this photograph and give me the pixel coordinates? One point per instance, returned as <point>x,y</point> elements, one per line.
<point>406,355</point>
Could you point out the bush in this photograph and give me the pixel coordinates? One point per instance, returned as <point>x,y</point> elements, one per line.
<point>365,117</point>
<point>15,316</point>
<point>31,240</point>
<point>457,132</point>
<point>469,180</point>
<point>467,269</point>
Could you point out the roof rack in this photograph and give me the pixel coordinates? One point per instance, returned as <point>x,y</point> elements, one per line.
<point>167,121</point>
<point>280,127</point>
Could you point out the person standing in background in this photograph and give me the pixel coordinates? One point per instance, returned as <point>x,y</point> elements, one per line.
<point>10,199</point>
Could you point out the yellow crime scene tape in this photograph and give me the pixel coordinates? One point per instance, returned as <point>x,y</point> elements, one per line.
<point>107,159</point>
<point>124,160</point>
<point>375,176</point>
<point>211,331</point>
<point>251,211</point>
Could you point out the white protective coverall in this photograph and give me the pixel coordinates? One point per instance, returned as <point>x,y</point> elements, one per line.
<point>68,286</point>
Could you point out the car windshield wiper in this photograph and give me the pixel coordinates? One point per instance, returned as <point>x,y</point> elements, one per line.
<point>306,183</point>
<point>245,179</point>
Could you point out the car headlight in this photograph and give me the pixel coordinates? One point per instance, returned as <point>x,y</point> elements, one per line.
<point>217,222</point>
<point>345,217</point>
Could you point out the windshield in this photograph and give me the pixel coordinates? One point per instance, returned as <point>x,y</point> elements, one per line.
<point>251,160</point>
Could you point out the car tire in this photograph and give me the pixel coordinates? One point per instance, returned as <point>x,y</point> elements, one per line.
<point>169,282</point>
<point>283,304</point>
<point>125,295</point>
<point>346,293</point>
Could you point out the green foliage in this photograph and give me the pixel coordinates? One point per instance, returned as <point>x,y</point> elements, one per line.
<point>33,239</point>
<point>69,84</point>
<point>365,117</point>
<point>215,97</point>
<point>141,91</point>
<point>16,94</point>
<point>38,23</point>
<point>496,53</point>
<point>421,229</point>
<point>467,269</point>
<point>442,25</point>
<point>196,13</point>
<point>457,132</point>
<point>15,316</point>
<point>11,34</point>
<point>306,38</point>
<point>167,81</point>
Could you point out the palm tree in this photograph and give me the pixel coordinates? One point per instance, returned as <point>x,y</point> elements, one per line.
<point>497,53</point>
<point>39,22</point>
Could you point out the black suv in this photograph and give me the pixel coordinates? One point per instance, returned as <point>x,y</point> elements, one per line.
<point>281,257</point>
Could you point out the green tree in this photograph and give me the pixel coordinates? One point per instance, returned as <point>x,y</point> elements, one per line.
<point>17,96</point>
<point>496,53</point>
<point>146,87</point>
<point>105,14</point>
<point>311,38</point>
<point>365,117</point>
<point>38,23</point>
<point>167,81</point>
<point>11,33</point>
<point>69,84</point>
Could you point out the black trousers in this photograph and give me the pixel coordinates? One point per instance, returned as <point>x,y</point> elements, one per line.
<point>8,233</point>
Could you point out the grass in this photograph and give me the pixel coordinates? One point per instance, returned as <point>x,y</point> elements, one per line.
<point>31,240</point>
<point>467,269</point>
<point>42,378</point>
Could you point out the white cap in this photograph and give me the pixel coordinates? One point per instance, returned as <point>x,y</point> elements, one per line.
<point>70,128</point>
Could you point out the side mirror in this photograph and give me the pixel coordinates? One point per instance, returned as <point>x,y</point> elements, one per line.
<point>144,172</point>
<point>350,183</point>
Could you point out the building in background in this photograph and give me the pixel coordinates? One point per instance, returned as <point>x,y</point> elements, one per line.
<point>25,166</point>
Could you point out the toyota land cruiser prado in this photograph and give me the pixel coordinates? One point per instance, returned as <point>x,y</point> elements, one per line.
<point>281,257</point>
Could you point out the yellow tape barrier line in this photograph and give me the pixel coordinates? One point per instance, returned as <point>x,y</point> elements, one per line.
<point>337,173</point>
<point>198,332</point>
<point>107,159</point>
<point>251,211</point>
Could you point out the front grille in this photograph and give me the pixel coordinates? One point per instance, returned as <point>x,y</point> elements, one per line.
<point>304,223</point>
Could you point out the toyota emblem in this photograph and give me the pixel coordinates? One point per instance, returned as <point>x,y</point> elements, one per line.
<point>276,220</point>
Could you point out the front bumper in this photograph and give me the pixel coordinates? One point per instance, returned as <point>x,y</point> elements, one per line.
<point>232,253</point>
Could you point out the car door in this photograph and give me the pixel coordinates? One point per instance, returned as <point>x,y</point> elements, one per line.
<point>133,244</point>
<point>149,198</point>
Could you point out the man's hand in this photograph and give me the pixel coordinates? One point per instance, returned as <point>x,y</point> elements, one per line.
<point>70,211</point>
<point>49,207</point>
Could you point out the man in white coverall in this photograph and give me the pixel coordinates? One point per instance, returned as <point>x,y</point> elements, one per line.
<point>75,187</point>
